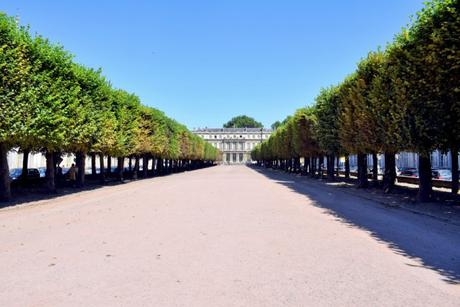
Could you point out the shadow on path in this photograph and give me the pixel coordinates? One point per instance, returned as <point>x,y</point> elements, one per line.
<point>37,192</point>
<point>435,244</point>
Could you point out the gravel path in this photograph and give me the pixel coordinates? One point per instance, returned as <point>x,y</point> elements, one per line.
<point>224,236</point>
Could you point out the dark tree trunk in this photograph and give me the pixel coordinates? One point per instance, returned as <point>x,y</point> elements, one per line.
<point>130,164</point>
<point>375,169</point>
<point>25,165</point>
<point>337,160</point>
<point>102,170</point>
<point>347,166</point>
<point>109,166</point>
<point>50,172</point>
<point>306,166</point>
<point>320,166</point>
<point>425,185</point>
<point>454,158</point>
<point>363,181</point>
<point>120,168</point>
<point>389,177</point>
<point>5,187</point>
<point>313,167</point>
<point>80,160</point>
<point>93,164</point>
<point>136,168</point>
<point>330,166</point>
<point>145,166</point>
<point>160,166</point>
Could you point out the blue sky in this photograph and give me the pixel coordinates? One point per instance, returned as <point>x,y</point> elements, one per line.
<point>202,62</point>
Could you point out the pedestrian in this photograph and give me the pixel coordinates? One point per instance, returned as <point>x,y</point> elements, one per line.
<point>73,175</point>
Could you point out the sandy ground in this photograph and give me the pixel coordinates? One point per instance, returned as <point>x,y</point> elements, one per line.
<point>224,236</point>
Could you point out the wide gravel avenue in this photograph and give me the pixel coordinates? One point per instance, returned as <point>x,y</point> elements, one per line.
<point>225,236</point>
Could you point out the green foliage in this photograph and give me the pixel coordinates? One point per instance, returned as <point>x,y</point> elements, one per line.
<point>304,132</point>
<point>15,70</point>
<point>49,103</point>
<point>243,121</point>
<point>327,113</point>
<point>275,125</point>
<point>405,98</point>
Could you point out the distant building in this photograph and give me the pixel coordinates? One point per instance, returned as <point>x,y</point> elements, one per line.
<point>234,143</point>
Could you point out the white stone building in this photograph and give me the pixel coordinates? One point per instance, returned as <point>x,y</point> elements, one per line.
<point>234,143</point>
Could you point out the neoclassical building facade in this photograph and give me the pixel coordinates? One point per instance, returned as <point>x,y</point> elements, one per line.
<point>234,143</point>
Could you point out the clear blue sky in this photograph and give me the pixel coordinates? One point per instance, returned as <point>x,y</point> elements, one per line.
<point>202,62</point>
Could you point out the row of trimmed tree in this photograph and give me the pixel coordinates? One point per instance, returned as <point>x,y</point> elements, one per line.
<point>50,104</point>
<point>406,98</point>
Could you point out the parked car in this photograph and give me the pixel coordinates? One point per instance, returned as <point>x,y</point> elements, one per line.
<point>408,172</point>
<point>32,174</point>
<point>442,174</point>
<point>15,173</point>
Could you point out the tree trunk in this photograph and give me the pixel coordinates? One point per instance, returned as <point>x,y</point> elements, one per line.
<point>5,186</point>
<point>130,164</point>
<point>136,168</point>
<point>145,166</point>
<point>50,172</point>
<point>159,166</point>
<point>347,166</point>
<point>93,164</point>
<point>109,166</point>
<point>25,165</point>
<point>337,162</point>
<point>330,167</point>
<point>389,177</point>
<point>120,168</point>
<point>320,166</point>
<point>425,186</point>
<point>454,158</point>
<point>306,166</point>
<point>375,169</point>
<point>363,181</point>
<point>80,160</point>
<point>313,167</point>
<point>102,170</point>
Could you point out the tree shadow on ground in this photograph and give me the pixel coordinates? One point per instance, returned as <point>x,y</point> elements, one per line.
<point>37,191</point>
<point>433,243</point>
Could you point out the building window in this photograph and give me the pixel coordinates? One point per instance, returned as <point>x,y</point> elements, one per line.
<point>241,157</point>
